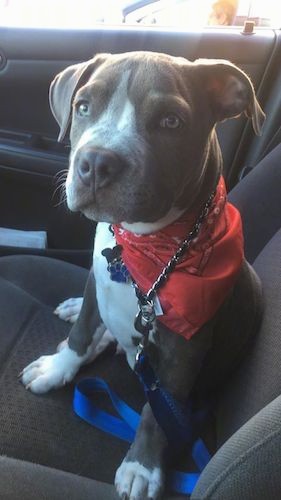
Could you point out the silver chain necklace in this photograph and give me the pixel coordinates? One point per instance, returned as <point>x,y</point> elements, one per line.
<point>146,314</point>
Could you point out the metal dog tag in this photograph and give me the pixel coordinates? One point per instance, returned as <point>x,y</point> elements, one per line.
<point>145,318</point>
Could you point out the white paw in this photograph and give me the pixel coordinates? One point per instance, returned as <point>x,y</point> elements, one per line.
<point>133,481</point>
<point>51,372</point>
<point>69,309</point>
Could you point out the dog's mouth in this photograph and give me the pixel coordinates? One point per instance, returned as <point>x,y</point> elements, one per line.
<point>95,213</point>
<point>117,203</point>
<point>89,205</point>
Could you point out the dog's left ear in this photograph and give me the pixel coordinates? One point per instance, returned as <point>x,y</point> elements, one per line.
<point>231,91</point>
<point>64,87</point>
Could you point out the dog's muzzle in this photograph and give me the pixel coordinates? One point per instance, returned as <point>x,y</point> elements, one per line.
<point>97,167</point>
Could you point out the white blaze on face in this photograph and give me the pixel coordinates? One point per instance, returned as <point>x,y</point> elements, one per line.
<point>69,186</point>
<point>115,124</point>
<point>114,130</point>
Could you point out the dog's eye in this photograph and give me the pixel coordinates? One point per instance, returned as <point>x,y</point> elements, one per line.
<point>83,108</point>
<point>170,121</point>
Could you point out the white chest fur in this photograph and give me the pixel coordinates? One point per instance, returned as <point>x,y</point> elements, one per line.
<point>117,301</point>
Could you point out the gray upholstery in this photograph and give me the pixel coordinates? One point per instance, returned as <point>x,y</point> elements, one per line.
<point>20,480</point>
<point>258,197</point>
<point>258,380</point>
<point>44,429</point>
<point>248,465</point>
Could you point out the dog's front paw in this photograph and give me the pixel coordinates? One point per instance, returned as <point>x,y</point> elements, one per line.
<point>133,481</point>
<point>69,309</point>
<point>51,372</point>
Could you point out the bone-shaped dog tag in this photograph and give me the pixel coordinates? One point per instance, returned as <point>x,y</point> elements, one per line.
<point>116,267</point>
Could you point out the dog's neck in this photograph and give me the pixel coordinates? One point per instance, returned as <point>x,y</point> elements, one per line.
<point>153,227</point>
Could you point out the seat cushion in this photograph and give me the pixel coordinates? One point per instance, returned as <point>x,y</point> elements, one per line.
<point>258,379</point>
<point>248,465</point>
<point>44,429</point>
<point>27,284</point>
<point>20,480</point>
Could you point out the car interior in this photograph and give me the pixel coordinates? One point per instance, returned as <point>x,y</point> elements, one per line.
<point>46,451</point>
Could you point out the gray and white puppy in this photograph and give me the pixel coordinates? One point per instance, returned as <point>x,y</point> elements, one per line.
<point>144,151</point>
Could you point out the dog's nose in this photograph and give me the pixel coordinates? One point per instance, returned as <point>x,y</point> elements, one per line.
<point>98,166</point>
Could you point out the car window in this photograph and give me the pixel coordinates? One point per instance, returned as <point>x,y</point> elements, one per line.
<point>175,13</point>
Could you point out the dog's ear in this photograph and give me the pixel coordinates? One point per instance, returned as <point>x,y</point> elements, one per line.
<point>231,91</point>
<point>64,87</point>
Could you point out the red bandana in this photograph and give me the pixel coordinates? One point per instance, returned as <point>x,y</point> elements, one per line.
<point>197,287</point>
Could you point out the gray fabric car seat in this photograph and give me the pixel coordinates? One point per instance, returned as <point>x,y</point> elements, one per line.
<point>247,465</point>
<point>43,429</point>
<point>258,198</point>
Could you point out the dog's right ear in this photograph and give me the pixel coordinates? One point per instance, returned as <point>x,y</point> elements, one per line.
<point>64,87</point>
<point>230,91</point>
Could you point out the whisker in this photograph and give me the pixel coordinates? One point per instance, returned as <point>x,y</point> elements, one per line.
<point>61,178</point>
<point>60,203</point>
<point>60,173</point>
<point>58,188</point>
<point>62,197</point>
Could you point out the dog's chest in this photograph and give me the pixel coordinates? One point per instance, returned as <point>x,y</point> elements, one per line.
<point>117,301</point>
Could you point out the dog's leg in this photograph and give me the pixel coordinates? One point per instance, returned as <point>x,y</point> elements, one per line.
<point>106,340</point>
<point>69,310</point>
<point>55,370</point>
<point>140,475</point>
<point>177,363</point>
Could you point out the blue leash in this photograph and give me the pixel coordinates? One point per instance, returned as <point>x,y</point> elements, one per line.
<point>125,427</point>
<point>173,417</point>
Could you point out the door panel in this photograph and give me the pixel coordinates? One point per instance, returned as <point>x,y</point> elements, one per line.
<point>29,155</point>
<point>34,57</point>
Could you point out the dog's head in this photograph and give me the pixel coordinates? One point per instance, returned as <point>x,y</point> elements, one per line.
<point>143,144</point>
